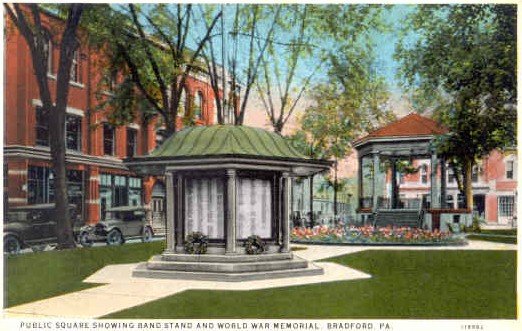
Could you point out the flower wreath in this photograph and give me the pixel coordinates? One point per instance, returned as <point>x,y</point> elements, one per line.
<point>196,243</point>
<point>255,245</point>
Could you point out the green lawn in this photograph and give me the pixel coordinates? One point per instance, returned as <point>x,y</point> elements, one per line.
<point>505,232</point>
<point>505,240</point>
<point>36,276</point>
<point>405,284</point>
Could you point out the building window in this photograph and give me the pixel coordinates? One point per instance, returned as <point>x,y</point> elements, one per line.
<point>108,139</point>
<point>42,128</point>
<point>49,51</point>
<point>135,191</point>
<point>40,186</point>
<point>116,190</point>
<point>132,142</point>
<point>215,110</point>
<point>475,174</point>
<point>451,176</point>
<point>73,132</point>
<point>75,68</point>
<point>198,105</point>
<point>400,175</point>
<point>449,201</point>
<point>424,174</point>
<point>160,137</point>
<point>505,206</point>
<point>510,166</point>
<point>182,103</point>
<point>461,201</point>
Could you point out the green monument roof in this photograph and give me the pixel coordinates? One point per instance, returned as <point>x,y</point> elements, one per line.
<point>226,140</point>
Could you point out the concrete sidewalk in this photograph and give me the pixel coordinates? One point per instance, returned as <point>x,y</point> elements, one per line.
<point>123,291</point>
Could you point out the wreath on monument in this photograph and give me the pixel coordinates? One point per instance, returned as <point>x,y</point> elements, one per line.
<point>255,245</point>
<point>196,243</point>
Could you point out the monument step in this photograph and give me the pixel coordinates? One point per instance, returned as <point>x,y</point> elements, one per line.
<point>227,267</point>
<point>142,270</point>
<point>240,258</point>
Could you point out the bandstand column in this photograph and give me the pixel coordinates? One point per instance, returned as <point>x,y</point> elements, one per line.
<point>374,181</point>
<point>230,246</point>
<point>435,202</point>
<point>443,183</point>
<point>360,183</point>
<point>287,202</point>
<point>394,192</point>
<point>170,197</point>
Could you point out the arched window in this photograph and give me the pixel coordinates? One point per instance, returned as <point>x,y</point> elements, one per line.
<point>198,105</point>
<point>48,48</point>
<point>424,174</point>
<point>75,67</point>
<point>214,105</point>
<point>182,103</point>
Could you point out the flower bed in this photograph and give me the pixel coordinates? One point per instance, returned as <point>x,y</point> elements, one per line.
<point>374,236</point>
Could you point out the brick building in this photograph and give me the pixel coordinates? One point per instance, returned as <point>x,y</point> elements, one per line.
<point>97,179</point>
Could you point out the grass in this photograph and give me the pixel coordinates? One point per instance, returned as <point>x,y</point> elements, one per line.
<point>505,232</point>
<point>404,284</point>
<point>505,240</point>
<point>37,276</point>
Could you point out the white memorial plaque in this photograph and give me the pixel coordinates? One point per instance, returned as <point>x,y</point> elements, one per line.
<point>204,210</point>
<point>254,208</point>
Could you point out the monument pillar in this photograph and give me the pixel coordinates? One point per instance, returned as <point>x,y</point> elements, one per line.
<point>170,205</point>
<point>287,203</point>
<point>178,216</point>
<point>230,245</point>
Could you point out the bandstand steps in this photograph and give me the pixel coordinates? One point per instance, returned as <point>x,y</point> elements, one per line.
<point>142,270</point>
<point>406,218</point>
<point>157,263</point>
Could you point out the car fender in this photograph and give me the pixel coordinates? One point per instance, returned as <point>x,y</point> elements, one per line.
<point>110,228</point>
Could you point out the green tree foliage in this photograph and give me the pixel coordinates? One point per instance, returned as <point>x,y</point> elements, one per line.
<point>152,49</point>
<point>461,62</point>
<point>340,114</point>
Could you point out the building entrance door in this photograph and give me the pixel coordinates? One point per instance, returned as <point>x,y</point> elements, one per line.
<point>506,205</point>
<point>158,208</point>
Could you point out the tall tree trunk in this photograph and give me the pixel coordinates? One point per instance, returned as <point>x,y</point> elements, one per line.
<point>335,192</point>
<point>34,36</point>
<point>468,183</point>
<point>57,141</point>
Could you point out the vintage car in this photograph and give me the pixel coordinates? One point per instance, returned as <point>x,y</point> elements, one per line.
<point>120,224</point>
<point>33,226</point>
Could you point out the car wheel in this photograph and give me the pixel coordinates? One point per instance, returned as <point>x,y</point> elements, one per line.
<point>147,235</point>
<point>84,239</point>
<point>114,237</point>
<point>38,248</point>
<point>11,245</point>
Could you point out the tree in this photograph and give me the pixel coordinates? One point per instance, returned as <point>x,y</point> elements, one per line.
<point>462,61</point>
<point>28,21</point>
<point>339,115</point>
<point>244,42</point>
<point>280,87</point>
<point>153,44</point>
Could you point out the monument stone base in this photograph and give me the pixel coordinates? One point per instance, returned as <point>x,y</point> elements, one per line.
<point>226,268</point>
